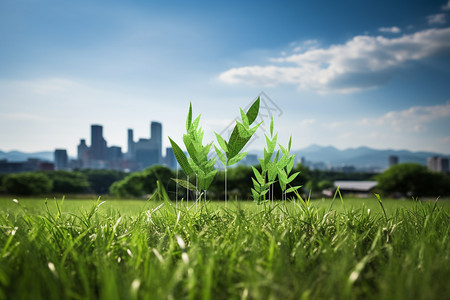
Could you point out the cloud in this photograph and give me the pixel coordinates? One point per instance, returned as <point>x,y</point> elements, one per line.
<point>307,122</point>
<point>364,62</point>
<point>446,6</point>
<point>390,29</point>
<point>413,119</point>
<point>437,19</point>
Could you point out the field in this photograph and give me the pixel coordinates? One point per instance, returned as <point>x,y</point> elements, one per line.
<point>128,249</point>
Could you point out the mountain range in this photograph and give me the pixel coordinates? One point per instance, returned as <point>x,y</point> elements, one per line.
<point>361,157</point>
<point>16,156</point>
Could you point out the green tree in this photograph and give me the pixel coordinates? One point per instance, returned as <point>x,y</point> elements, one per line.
<point>2,186</point>
<point>141,183</point>
<point>27,184</point>
<point>325,184</point>
<point>101,180</point>
<point>411,179</point>
<point>68,181</point>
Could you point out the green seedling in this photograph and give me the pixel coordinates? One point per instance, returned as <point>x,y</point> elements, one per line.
<point>198,163</point>
<point>241,134</point>
<point>280,167</point>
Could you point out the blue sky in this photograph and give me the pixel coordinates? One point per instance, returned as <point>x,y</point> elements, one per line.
<point>343,73</point>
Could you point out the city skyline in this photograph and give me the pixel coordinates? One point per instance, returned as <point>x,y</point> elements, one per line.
<point>139,155</point>
<point>346,74</point>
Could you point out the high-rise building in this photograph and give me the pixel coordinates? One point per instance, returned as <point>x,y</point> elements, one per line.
<point>98,143</point>
<point>82,153</point>
<point>393,160</point>
<point>438,164</point>
<point>170,159</point>
<point>147,152</point>
<point>156,137</point>
<point>130,152</point>
<point>61,159</point>
<point>114,153</point>
<point>140,154</point>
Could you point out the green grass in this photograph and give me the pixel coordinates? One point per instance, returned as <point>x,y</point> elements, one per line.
<point>134,250</point>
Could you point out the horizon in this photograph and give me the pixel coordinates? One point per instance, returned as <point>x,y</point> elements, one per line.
<point>347,75</point>
<point>259,150</point>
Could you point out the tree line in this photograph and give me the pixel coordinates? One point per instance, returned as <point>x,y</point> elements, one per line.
<point>405,180</point>
<point>59,182</point>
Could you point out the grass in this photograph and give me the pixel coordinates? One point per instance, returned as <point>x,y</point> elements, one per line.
<point>84,249</point>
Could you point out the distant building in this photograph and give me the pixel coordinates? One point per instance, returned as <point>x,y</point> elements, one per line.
<point>146,152</point>
<point>82,154</point>
<point>130,152</point>
<point>393,160</point>
<point>139,155</point>
<point>32,164</point>
<point>438,164</point>
<point>344,169</point>
<point>98,143</point>
<point>170,160</point>
<point>61,159</point>
<point>356,188</point>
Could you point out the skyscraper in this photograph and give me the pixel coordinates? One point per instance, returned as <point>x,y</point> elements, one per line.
<point>81,149</point>
<point>156,138</point>
<point>98,143</point>
<point>61,159</point>
<point>438,164</point>
<point>393,160</point>
<point>130,152</point>
<point>170,159</point>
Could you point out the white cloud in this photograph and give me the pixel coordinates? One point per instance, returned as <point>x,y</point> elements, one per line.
<point>390,29</point>
<point>414,119</point>
<point>363,62</point>
<point>307,122</point>
<point>437,19</point>
<point>446,6</point>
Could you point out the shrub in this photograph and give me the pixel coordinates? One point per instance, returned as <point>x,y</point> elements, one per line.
<point>27,184</point>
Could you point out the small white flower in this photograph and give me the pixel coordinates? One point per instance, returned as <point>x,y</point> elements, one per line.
<point>129,252</point>
<point>135,285</point>
<point>16,201</point>
<point>52,268</point>
<point>185,257</point>
<point>180,242</point>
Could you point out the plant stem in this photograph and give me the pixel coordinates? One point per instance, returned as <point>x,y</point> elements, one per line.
<point>225,186</point>
<point>176,191</point>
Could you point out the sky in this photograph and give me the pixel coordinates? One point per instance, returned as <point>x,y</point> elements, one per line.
<point>339,73</point>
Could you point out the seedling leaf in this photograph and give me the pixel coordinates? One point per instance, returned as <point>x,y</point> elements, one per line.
<point>221,142</point>
<point>252,112</point>
<point>181,158</point>
<point>237,158</point>
<point>189,117</point>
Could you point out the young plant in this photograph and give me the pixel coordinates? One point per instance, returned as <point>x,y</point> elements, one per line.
<point>240,136</point>
<point>261,186</point>
<point>284,168</point>
<point>280,167</point>
<point>198,162</point>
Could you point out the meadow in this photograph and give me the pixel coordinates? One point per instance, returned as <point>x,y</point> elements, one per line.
<point>130,249</point>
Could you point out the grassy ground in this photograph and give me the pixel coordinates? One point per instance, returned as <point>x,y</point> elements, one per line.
<point>83,249</point>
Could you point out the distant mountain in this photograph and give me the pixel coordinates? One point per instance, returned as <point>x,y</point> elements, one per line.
<point>23,156</point>
<point>361,157</point>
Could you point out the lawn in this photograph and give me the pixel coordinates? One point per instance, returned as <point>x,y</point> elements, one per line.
<point>130,249</point>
